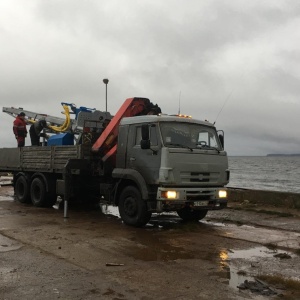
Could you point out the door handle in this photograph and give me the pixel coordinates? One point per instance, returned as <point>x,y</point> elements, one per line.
<point>132,158</point>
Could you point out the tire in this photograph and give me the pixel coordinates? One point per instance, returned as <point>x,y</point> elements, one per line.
<point>187,214</point>
<point>38,192</point>
<point>22,192</point>
<point>132,208</point>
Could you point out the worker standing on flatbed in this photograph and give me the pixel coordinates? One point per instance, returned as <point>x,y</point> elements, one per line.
<point>19,129</point>
<point>35,132</point>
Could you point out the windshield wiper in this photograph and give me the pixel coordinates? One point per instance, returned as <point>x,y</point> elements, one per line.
<point>209,147</point>
<point>180,145</point>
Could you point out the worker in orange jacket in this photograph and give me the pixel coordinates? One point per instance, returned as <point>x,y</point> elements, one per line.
<point>19,129</point>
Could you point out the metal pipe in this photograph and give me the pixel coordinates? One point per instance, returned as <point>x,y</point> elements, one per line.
<point>65,208</point>
<point>105,82</point>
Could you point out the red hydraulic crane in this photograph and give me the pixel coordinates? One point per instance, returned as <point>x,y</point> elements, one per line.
<point>106,144</point>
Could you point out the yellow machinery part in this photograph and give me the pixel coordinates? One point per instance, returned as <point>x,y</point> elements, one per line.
<point>65,126</point>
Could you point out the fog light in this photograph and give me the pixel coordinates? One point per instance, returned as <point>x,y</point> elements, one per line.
<point>222,194</point>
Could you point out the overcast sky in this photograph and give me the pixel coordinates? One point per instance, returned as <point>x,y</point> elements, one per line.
<point>236,62</point>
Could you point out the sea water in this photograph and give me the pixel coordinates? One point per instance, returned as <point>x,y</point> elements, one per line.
<point>276,173</point>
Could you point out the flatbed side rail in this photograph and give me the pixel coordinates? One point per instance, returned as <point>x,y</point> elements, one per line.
<point>40,159</point>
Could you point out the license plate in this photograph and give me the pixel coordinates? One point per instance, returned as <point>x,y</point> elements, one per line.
<point>201,203</point>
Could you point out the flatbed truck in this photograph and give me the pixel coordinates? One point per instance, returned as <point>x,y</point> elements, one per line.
<point>144,162</point>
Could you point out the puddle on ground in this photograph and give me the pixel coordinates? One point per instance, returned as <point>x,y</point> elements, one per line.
<point>241,264</point>
<point>234,275</point>
<point>253,253</point>
<point>160,252</point>
<point>7,244</point>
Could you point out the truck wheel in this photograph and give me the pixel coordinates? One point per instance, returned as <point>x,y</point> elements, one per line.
<point>187,214</point>
<point>38,192</point>
<point>22,190</point>
<point>132,208</point>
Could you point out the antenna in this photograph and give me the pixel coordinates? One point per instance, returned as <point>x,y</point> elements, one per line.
<point>223,105</point>
<point>179,103</point>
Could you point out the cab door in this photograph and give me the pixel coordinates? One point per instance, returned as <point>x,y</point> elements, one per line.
<point>145,161</point>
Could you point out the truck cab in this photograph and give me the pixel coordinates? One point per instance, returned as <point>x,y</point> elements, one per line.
<point>172,163</point>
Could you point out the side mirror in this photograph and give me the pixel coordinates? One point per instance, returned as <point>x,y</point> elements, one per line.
<point>221,137</point>
<point>145,142</point>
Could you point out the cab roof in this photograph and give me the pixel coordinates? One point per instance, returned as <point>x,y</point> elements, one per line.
<point>162,118</point>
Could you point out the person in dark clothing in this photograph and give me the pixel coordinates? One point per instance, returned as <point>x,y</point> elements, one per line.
<point>35,132</point>
<point>19,129</point>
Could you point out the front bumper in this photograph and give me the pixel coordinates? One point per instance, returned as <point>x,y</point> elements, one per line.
<point>195,198</point>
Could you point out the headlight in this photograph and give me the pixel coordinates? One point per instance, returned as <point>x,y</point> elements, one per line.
<point>169,194</point>
<point>222,194</point>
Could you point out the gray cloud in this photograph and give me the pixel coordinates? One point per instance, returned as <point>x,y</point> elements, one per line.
<point>54,51</point>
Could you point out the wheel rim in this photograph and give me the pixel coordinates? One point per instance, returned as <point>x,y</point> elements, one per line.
<point>130,206</point>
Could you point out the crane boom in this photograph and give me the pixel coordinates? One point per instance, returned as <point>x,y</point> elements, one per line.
<point>106,144</point>
<point>33,116</point>
<point>66,124</point>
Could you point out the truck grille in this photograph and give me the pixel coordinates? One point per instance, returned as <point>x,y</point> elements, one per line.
<point>188,177</point>
<point>196,195</point>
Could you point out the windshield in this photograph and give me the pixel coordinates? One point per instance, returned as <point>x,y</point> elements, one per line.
<point>189,135</point>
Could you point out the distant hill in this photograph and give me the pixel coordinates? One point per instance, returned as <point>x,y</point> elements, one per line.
<point>296,154</point>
